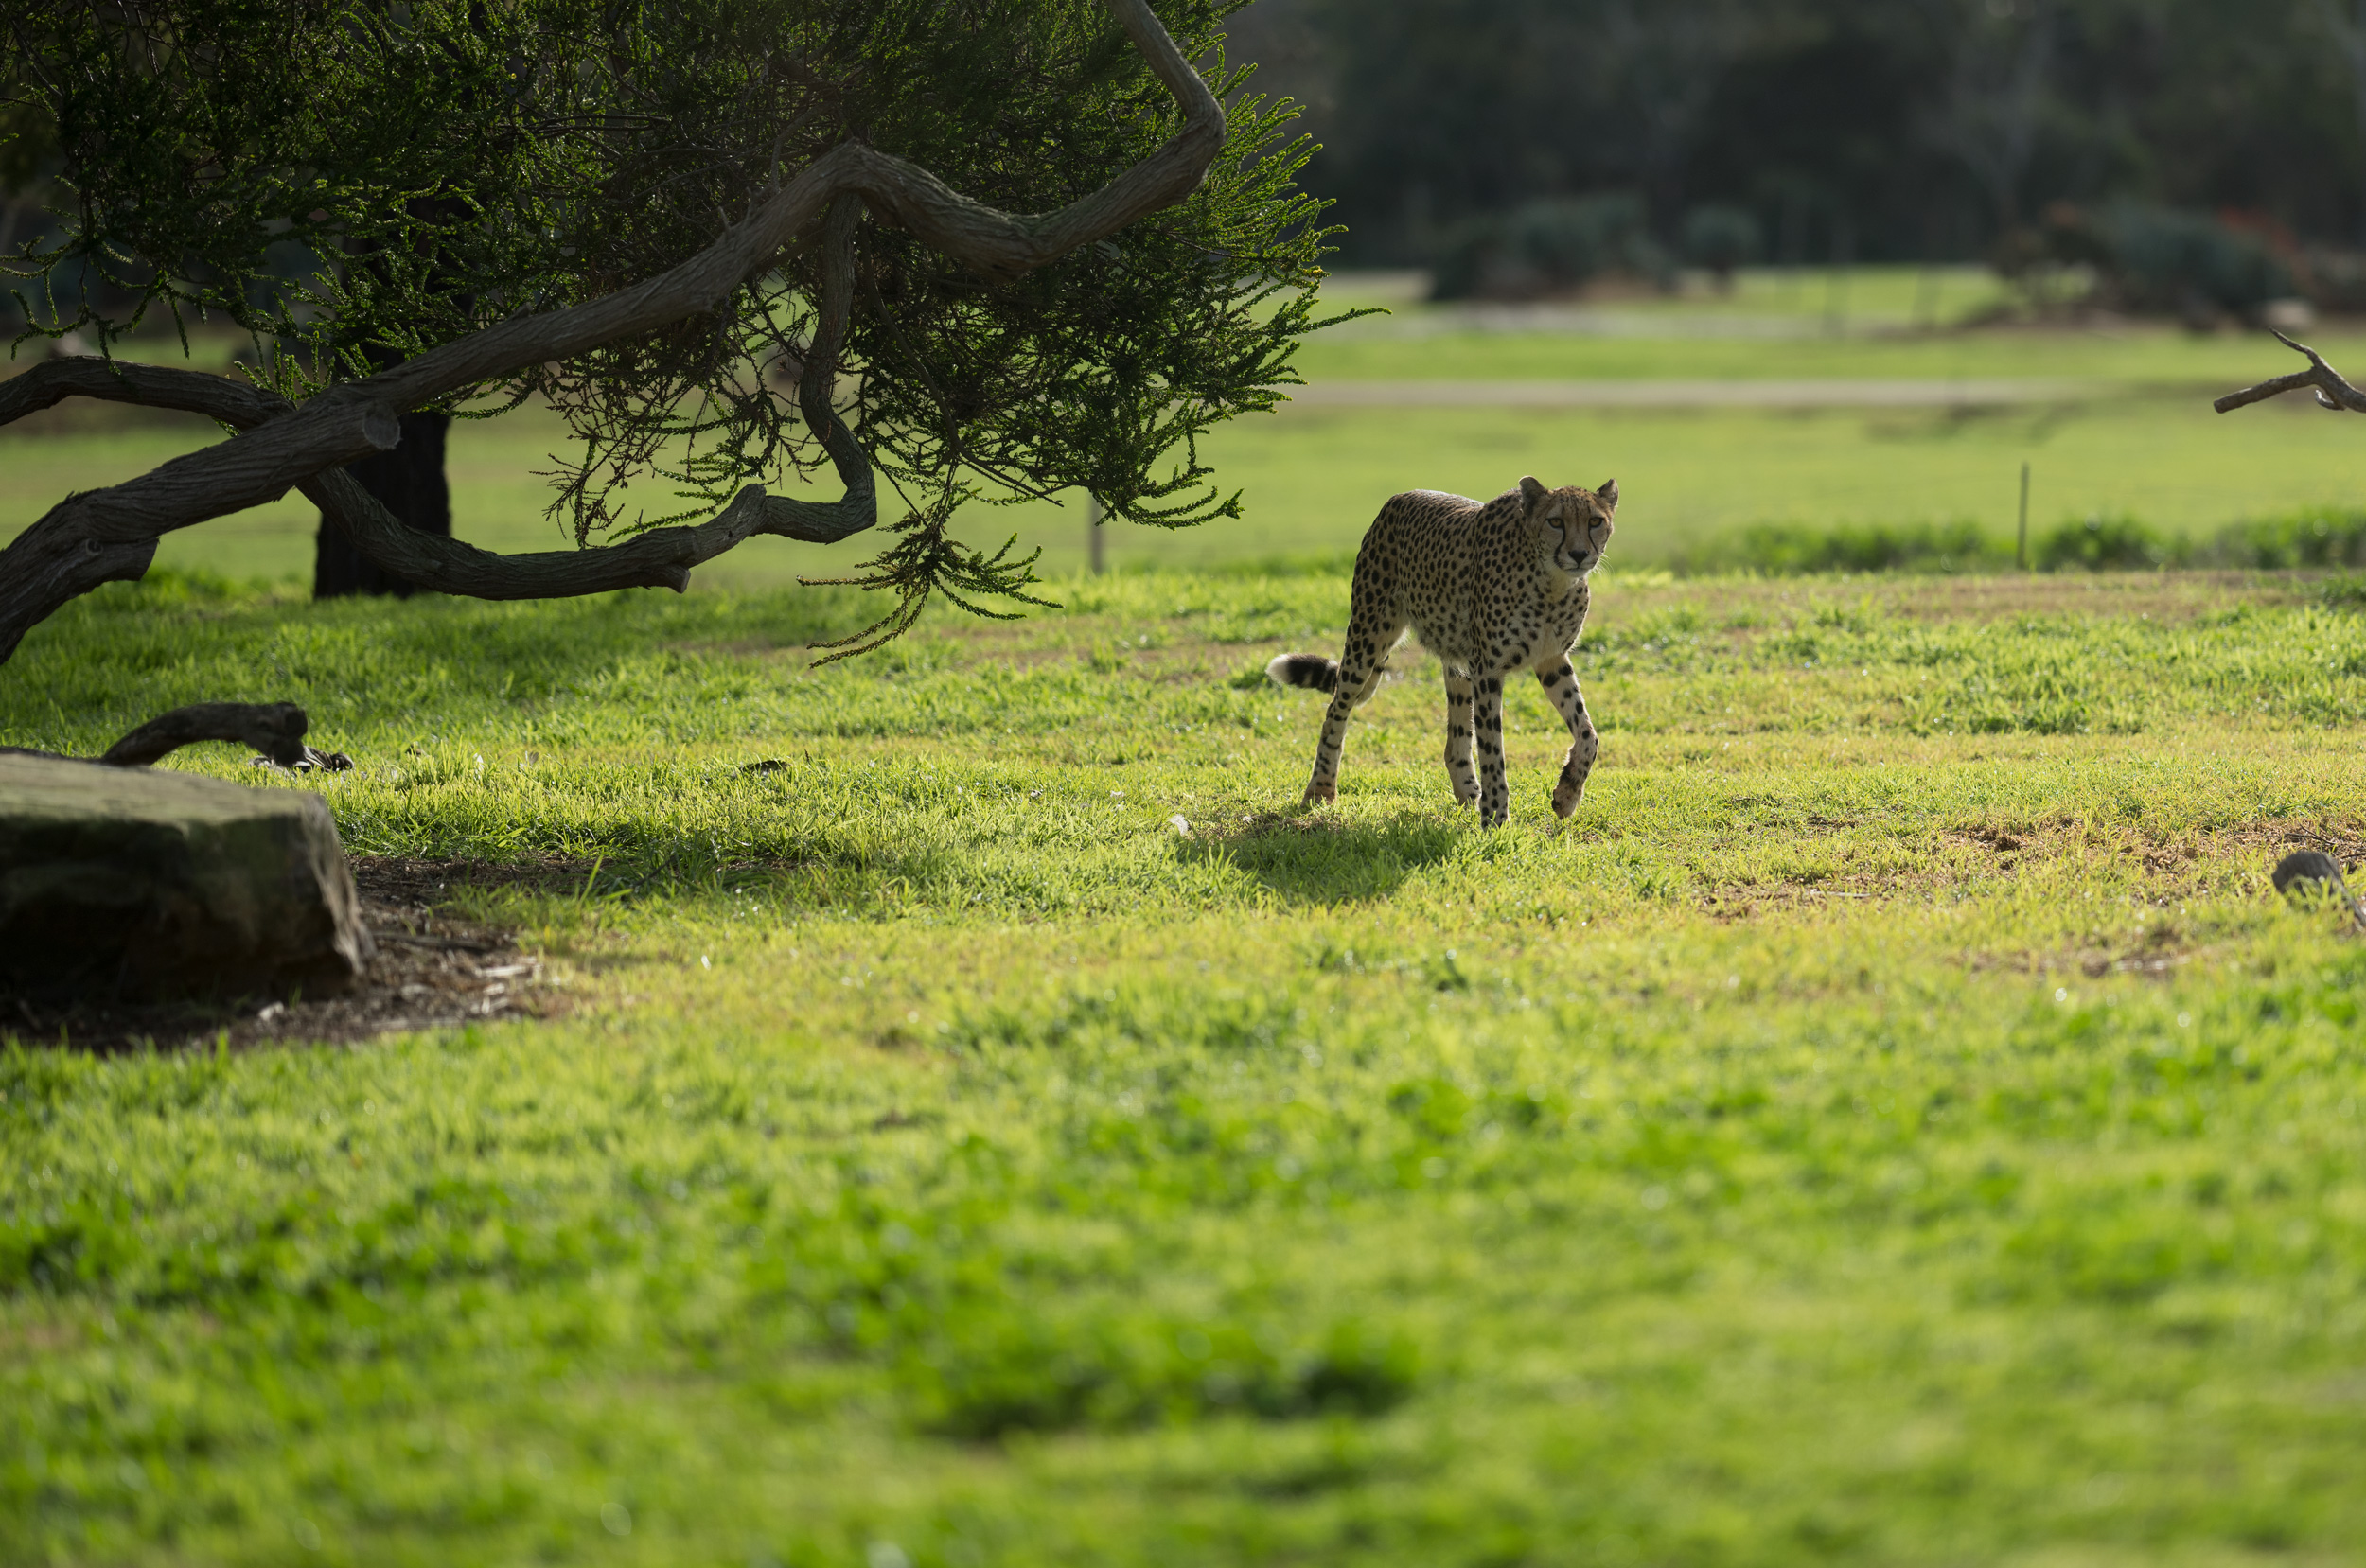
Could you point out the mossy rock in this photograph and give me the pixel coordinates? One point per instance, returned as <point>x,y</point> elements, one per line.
<point>128,883</point>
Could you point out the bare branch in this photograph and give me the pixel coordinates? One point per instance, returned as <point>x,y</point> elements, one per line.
<point>275,729</point>
<point>2332,390</point>
<point>52,382</point>
<point>662,559</point>
<point>110,535</point>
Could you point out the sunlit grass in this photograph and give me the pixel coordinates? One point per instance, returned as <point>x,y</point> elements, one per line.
<point>1892,1121</point>
<point>1312,480</point>
<point>2141,442</point>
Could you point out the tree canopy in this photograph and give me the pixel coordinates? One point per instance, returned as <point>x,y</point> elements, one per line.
<point>1878,128</point>
<point>359,183</point>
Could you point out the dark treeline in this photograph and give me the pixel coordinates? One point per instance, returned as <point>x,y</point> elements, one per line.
<point>1824,130</point>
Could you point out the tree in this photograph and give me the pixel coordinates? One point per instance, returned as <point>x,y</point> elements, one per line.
<point>2348,31</point>
<point>729,240</point>
<point>1996,97</point>
<point>1663,66</point>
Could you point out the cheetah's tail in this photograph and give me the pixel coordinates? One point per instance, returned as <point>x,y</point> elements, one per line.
<point>1305,669</point>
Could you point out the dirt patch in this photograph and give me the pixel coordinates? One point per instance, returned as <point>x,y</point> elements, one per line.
<point>1745,901</point>
<point>426,885</point>
<point>2337,839</point>
<point>1175,659</point>
<point>2160,953</point>
<point>433,969</point>
<point>2175,596</point>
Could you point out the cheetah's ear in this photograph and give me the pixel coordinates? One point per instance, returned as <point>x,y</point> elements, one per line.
<point>1609,494</point>
<point>1530,489</point>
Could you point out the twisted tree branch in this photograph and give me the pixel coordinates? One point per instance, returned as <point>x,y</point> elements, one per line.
<point>2332,390</point>
<point>274,728</point>
<point>110,535</point>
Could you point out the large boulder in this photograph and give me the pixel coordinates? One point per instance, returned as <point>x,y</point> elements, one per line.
<point>128,883</point>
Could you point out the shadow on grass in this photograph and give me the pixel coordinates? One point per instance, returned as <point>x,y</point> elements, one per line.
<point>380,670</point>
<point>1314,857</point>
<point>655,868</point>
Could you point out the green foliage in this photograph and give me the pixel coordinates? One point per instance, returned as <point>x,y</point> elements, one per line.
<point>1722,237</point>
<point>2306,537</point>
<point>1547,247</point>
<point>2100,543</point>
<point>2166,262</point>
<point>1850,129</point>
<point>1784,548</point>
<point>2347,592</point>
<point>351,184</point>
<point>28,143</point>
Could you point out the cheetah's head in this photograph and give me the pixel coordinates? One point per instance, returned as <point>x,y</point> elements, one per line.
<point>1573,523</point>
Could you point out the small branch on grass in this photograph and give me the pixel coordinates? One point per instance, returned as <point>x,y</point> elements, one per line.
<point>2332,390</point>
<point>110,535</point>
<point>275,730</point>
<point>2315,873</point>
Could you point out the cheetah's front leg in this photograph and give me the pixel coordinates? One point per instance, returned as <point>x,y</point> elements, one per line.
<point>1466,786</point>
<point>1495,795</point>
<point>1560,686</point>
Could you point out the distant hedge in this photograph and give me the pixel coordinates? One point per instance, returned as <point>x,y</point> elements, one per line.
<point>2311,536</point>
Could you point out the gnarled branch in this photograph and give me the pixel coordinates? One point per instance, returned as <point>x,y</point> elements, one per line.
<point>2332,390</point>
<point>111,535</point>
<point>660,558</point>
<point>274,728</point>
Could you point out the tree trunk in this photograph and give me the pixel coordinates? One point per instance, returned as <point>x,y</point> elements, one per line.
<point>410,482</point>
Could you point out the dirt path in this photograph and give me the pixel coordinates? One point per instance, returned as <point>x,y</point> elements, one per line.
<point>1967,392</point>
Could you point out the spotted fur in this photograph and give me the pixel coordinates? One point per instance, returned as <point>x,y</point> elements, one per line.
<point>1489,589</point>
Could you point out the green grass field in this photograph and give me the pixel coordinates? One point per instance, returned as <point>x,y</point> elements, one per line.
<point>2139,439</point>
<point>1312,480</point>
<point>1892,1123</point>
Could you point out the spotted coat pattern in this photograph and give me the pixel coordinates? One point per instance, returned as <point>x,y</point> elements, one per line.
<point>1489,589</point>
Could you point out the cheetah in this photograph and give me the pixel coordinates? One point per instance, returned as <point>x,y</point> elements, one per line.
<point>1487,588</point>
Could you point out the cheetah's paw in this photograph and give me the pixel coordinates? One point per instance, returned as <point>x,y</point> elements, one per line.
<point>1320,794</point>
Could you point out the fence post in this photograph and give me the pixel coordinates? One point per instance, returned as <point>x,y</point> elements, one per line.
<point>2021,550</point>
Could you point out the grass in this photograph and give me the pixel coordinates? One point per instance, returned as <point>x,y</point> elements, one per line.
<point>1311,477</point>
<point>2143,443</point>
<point>1892,1121</point>
<point>1425,344</point>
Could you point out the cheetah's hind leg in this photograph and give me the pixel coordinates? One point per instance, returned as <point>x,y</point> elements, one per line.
<point>1494,792</point>
<point>1370,643</point>
<point>1460,703</point>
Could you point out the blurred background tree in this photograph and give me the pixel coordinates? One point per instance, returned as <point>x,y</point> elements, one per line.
<point>1838,131</point>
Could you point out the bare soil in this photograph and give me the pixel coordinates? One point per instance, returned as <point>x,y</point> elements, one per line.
<point>433,969</point>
